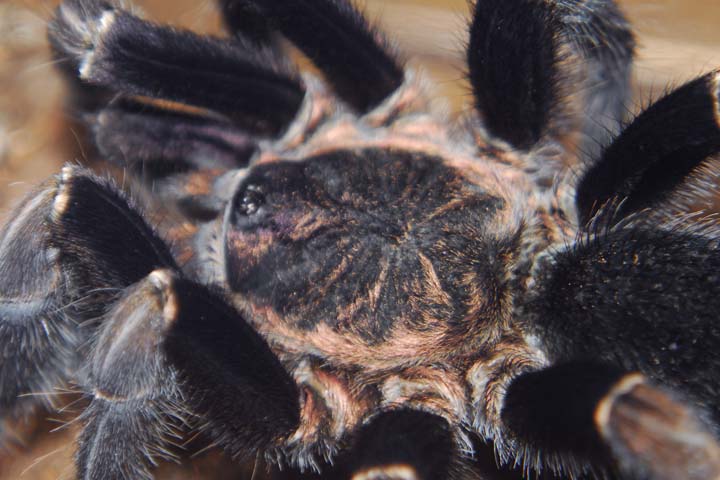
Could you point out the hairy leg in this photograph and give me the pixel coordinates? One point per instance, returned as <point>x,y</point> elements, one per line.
<point>641,298</point>
<point>154,356</point>
<point>162,102</point>
<point>402,444</point>
<point>355,59</point>
<point>654,155</point>
<point>108,47</point>
<point>56,277</point>
<point>577,415</point>
<point>173,355</point>
<point>555,71</point>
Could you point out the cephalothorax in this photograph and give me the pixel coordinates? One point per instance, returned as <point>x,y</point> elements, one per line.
<point>337,272</point>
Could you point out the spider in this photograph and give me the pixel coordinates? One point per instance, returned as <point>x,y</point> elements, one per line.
<point>334,272</point>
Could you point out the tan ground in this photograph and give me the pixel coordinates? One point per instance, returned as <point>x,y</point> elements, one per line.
<point>678,40</point>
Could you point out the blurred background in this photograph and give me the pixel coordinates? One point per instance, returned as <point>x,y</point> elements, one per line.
<point>678,40</point>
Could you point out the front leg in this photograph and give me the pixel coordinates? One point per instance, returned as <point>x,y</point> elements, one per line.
<point>171,355</point>
<point>579,411</point>
<point>152,349</point>
<point>102,47</point>
<point>66,252</point>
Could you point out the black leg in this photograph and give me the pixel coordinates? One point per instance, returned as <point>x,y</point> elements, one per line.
<point>530,60</point>
<point>67,251</point>
<point>642,299</point>
<point>401,445</point>
<point>230,376</point>
<point>136,408</point>
<point>579,412</point>
<point>172,353</point>
<point>243,18</point>
<point>153,354</point>
<point>553,411</point>
<point>354,58</point>
<point>112,49</point>
<point>157,141</point>
<point>37,341</point>
<point>654,154</point>
<point>514,96</point>
<point>176,155</point>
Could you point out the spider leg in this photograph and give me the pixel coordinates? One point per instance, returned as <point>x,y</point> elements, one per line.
<point>334,35</point>
<point>172,352</point>
<point>401,445</point>
<point>30,289</point>
<point>174,154</point>
<point>143,90</point>
<point>640,293</point>
<point>550,70</point>
<point>110,48</point>
<point>654,154</point>
<point>643,298</point>
<point>156,142</point>
<point>586,410</point>
<point>136,406</point>
<point>55,279</point>
<point>148,351</point>
<point>651,284</point>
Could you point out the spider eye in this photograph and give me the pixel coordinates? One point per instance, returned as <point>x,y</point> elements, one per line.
<point>253,198</point>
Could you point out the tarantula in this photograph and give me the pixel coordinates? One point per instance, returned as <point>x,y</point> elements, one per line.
<point>335,271</point>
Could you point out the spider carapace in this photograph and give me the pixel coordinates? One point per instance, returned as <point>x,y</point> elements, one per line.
<point>338,276</point>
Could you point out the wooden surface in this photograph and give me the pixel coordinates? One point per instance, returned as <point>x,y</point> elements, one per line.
<point>678,39</point>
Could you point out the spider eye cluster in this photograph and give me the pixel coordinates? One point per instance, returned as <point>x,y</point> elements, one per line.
<point>252,199</point>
